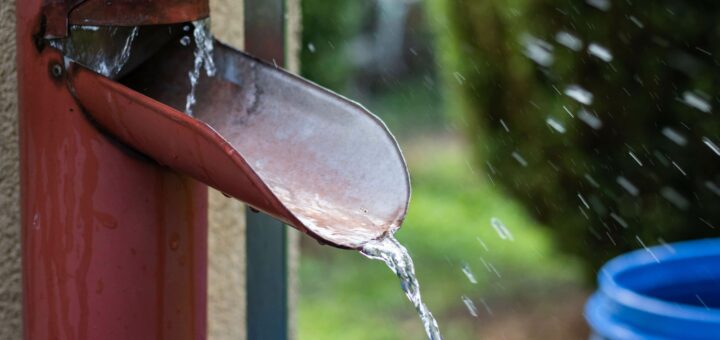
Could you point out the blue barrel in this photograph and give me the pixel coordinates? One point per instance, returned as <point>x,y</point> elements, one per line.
<point>663,292</point>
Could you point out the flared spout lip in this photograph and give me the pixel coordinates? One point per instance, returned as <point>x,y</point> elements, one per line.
<point>393,225</point>
<point>121,111</point>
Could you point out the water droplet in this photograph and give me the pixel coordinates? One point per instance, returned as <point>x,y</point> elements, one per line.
<point>679,168</point>
<point>569,40</point>
<point>637,160</point>
<point>582,199</point>
<point>637,22</point>
<point>459,77</point>
<point>470,305</point>
<point>538,50</point>
<point>185,40</point>
<point>591,180</point>
<point>667,246</point>
<point>621,221</point>
<point>556,125</point>
<point>502,122</point>
<point>311,47</point>
<point>675,198</point>
<point>468,273</point>
<point>711,145</point>
<point>674,136</point>
<point>647,249</point>
<point>712,187</point>
<point>600,52</point>
<point>482,244</point>
<point>603,5</point>
<point>519,159</point>
<point>487,307</point>
<point>501,229</point>
<point>627,185</point>
<point>696,101</point>
<point>580,94</point>
<point>590,119</point>
<point>36,221</point>
<point>174,241</point>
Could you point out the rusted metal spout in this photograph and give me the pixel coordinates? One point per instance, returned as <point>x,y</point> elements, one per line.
<point>288,147</point>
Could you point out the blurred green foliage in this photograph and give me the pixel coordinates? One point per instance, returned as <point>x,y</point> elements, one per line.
<point>327,25</point>
<point>662,51</point>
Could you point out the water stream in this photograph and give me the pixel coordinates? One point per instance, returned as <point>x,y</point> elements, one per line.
<point>203,56</point>
<point>395,256</point>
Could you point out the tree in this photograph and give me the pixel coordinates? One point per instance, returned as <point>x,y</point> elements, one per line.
<point>636,163</point>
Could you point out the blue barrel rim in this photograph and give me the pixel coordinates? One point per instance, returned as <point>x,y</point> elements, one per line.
<point>642,257</point>
<point>614,311</point>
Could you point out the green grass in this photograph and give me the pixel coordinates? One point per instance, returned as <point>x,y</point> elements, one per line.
<point>346,296</point>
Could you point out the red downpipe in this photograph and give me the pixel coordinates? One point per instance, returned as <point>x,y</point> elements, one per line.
<point>114,245</point>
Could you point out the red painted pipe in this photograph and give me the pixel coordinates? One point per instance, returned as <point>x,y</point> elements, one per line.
<point>114,245</point>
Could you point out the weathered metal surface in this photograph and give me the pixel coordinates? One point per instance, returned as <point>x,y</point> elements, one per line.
<point>138,12</point>
<point>307,156</point>
<point>114,245</point>
<point>59,13</point>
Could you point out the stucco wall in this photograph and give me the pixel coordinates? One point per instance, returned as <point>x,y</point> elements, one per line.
<point>10,293</point>
<point>226,237</point>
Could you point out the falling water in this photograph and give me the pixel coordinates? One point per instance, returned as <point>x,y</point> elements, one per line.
<point>395,256</point>
<point>108,61</point>
<point>203,56</point>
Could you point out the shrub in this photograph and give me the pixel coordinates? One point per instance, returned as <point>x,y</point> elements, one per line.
<point>647,174</point>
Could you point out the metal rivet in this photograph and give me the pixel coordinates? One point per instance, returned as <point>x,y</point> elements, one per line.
<point>56,70</point>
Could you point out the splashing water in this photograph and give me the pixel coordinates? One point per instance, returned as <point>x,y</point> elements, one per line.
<point>569,40</point>
<point>468,273</point>
<point>470,306</point>
<point>203,56</point>
<point>696,101</point>
<point>580,94</point>
<point>709,143</point>
<point>122,58</point>
<point>674,136</point>
<point>108,61</point>
<point>555,124</point>
<point>600,52</point>
<point>590,119</point>
<point>538,50</point>
<point>627,185</point>
<point>603,5</point>
<point>395,256</point>
<point>501,229</point>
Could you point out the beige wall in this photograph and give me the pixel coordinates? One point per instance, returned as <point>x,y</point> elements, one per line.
<point>226,296</point>
<point>226,277</point>
<point>226,237</point>
<point>10,293</point>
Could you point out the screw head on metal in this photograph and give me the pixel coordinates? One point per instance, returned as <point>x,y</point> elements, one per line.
<point>56,70</point>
